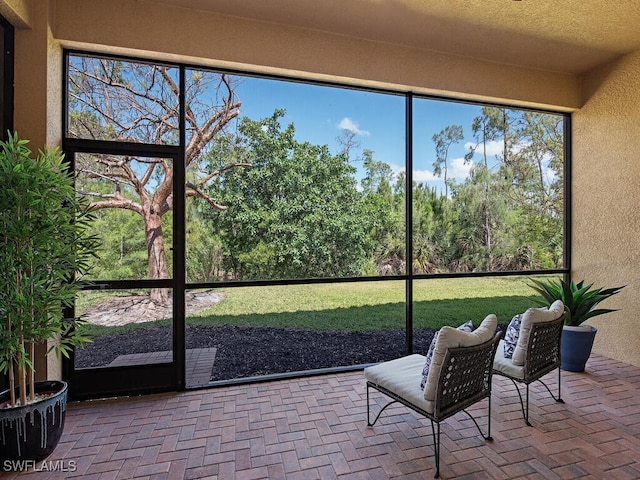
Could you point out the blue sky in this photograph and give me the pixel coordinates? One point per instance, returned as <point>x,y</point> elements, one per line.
<point>321,113</point>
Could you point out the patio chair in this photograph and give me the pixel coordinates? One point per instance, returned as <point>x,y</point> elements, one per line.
<point>459,376</point>
<point>537,352</point>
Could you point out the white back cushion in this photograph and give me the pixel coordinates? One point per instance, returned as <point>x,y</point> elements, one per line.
<point>450,337</point>
<point>531,316</point>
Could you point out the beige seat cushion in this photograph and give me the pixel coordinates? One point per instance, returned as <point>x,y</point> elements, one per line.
<point>505,365</point>
<point>531,316</point>
<point>450,337</point>
<point>402,377</point>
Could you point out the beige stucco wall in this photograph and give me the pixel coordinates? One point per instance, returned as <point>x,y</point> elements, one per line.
<point>18,12</point>
<point>162,31</point>
<point>605,180</point>
<point>37,102</point>
<point>151,30</point>
<point>38,79</point>
<point>606,198</point>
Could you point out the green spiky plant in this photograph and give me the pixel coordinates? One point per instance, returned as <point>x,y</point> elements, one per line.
<point>579,299</point>
<point>45,247</point>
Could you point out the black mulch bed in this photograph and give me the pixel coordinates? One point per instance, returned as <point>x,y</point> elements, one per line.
<point>255,351</point>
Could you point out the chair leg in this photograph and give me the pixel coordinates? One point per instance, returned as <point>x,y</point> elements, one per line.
<point>524,405</point>
<point>436,446</point>
<point>489,437</point>
<point>369,422</point>
<point>559,397</point>
<point>526,417</point>
<point>525,411</point>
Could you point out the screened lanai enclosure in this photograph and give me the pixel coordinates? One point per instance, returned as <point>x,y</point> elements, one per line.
<point>253,227</point>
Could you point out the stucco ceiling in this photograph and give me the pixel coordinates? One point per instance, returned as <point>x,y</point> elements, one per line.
<point>571,36</point>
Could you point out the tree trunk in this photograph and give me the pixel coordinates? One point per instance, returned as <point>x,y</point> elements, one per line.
<point>487,230</point>
<point>32,372</point>
<point>12,384</point>
<point>446,185</point>
<point>156,254</point>
<point>22,376</point>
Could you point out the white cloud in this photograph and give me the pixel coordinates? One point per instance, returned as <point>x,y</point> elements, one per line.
<point>459,169</point>
<point>397,169</point>
<point>418,175</point>
<point>347,124</point>
<point>424,176</point>
<point>494,147</point>
<point>549,174</point>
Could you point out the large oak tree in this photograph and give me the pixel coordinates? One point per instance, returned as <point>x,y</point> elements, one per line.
<point>138,102</point>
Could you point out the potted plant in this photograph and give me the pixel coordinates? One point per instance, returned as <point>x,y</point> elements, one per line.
<point>579,301</point>
<point>45,248</point>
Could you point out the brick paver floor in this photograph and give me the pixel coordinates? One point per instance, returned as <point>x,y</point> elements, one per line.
<point>198,362</point>
<point>315,428</point>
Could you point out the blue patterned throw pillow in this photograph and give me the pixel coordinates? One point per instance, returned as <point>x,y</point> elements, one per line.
<point>511,336</point>
<point>465,327</point>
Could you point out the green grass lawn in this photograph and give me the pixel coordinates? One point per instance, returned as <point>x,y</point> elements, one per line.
<point>371,305</point>
<point>364,306</point>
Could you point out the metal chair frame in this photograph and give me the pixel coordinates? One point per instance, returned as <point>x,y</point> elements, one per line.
<point>464,380</point>
<point>542,356</point>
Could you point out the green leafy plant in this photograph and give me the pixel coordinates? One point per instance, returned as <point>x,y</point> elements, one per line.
<point>579,299</point>
<point>45,248</point>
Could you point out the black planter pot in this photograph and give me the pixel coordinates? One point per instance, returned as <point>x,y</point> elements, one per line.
<point>575,347</point>
<point>33,431</point>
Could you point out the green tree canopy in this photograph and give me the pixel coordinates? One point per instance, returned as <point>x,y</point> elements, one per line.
<point>296,213</point>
